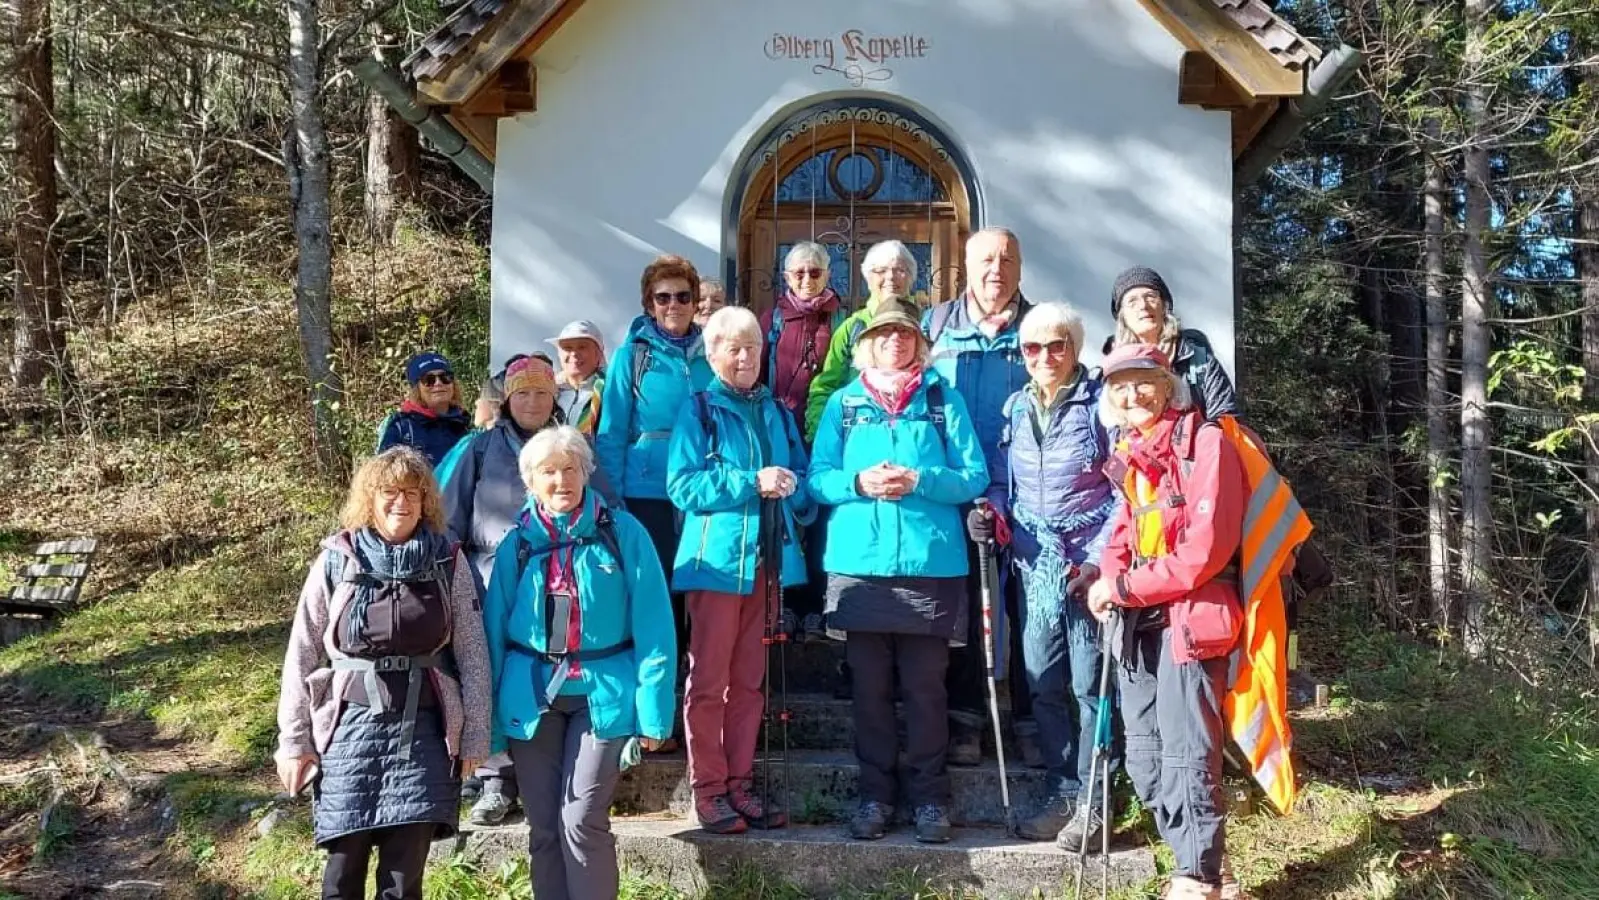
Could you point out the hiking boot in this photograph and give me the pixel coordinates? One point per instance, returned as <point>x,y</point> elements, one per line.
<point>717,816</point>
<point>471,787</point>
<point>753,808</point>
<point>492,806</point>
<point>1027,745</point>
<point>813,629</point>
<point>932,824</point>
<point>1084,820</point>
<point>788,622</point>
<point>1185,888</point>
<point>1051,817</point>
<point>870,821</point>
<point>965,745</point>
<point>844,687</point>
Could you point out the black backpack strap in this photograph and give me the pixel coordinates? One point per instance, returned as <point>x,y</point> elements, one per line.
<point>936,409</point>
<point>702,411</point>
<point>642,353</point>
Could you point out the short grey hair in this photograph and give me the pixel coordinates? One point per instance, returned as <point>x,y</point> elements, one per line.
<point>1111,417</point>
<point>807,251</point>
<point>885,253</point>
<point>997,231</point>
<point>562,441</point>
<point>865,354</point>
<point>727,323</point>
<point>712,284</point>
<point>1054,317</point>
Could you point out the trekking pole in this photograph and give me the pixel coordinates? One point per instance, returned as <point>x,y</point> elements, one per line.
<point>986,574</point>
<point>771,536</point>
<point>1100,758</point>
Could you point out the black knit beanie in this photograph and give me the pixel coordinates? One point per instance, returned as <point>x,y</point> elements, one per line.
<point>1137,277</point>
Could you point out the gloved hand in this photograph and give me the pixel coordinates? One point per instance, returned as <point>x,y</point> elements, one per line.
<point>980,524</point>
<point>1087,574</point>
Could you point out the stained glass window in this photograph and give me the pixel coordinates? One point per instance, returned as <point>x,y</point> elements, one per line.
<point>864,174</point>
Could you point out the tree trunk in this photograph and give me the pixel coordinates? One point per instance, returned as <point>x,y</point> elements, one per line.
<point>39,345</point>
<point>1437,395</point>
<point>1587,252</point>
<point>1476,520</point>
<point>307,165</point>
<point>392,156</point>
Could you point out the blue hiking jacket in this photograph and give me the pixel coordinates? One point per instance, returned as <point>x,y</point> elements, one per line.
<point>431,436</point>
<point>713,483</point>
<point>921,534</point>
<point>986,371</point>
<point>630,693</point>
<point>637,414</point>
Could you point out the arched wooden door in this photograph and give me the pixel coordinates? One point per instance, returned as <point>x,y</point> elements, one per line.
<point>848,178</point>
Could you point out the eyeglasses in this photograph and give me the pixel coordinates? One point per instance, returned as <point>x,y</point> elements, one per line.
<point>433,378</point>
<point>1130,386</point>
<point>812,274</point>
<point>901,271</point>
<point>1053,348</point>
<point>681,298</point>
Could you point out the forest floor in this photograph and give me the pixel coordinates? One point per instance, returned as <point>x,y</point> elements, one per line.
<point>135,737</point>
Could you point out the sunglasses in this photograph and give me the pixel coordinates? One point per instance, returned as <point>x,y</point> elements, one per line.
<point>1053,348</point>
<point>812,274</point>
<point>433,378</point>
<point>681,298</point>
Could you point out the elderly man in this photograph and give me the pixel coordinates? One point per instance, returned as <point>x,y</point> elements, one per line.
<point>977,349</point>
<point>580,380</point>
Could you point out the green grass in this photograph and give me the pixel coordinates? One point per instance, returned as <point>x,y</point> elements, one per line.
<point>196,648</point>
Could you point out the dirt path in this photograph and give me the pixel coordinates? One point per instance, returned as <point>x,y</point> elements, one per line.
<point>83,804</point>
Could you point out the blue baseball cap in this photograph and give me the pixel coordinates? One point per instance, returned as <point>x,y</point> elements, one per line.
<point>423,363</point>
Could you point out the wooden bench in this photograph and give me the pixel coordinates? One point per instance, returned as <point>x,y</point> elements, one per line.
<point>52,583</point>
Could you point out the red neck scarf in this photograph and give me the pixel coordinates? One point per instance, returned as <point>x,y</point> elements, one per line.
<point>892,388</point>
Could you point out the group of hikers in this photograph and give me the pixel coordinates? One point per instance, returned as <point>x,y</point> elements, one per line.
<point>510,589</point>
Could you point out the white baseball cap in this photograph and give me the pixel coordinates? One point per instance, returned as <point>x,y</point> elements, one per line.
<point>582,329</point>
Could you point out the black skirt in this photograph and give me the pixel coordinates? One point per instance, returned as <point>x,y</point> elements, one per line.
<point>365,784</point>
<point>935,607</point>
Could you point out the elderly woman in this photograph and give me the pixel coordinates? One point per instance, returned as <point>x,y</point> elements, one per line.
<point>890,270</point>
<point>1059,507</point>
<point>799,326</point>
<point>735,463</point>
<point>483,494</point>
<point>652,376</point>
<point>385,692</point>
<point>1142,304</point>
<point>713,296</point>
<point>1165,567</point>
<point>581,647</point>
<point>896,456</point>
<point>580,381</point>
<point>431,418</point>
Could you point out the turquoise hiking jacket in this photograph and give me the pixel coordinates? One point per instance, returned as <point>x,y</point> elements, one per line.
<point>713,483</point>
<point>630,693</point>
<point>922,534</point>
<point>637,414</point>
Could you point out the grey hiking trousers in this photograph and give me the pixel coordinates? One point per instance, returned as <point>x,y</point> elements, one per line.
<point>567,778</point>
<point>1172,715</point>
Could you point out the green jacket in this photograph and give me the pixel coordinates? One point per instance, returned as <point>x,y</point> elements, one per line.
<point>838,369</point>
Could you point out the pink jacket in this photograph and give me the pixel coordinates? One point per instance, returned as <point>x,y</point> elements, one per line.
<point>311,696</point>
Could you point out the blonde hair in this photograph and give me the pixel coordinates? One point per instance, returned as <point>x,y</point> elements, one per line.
<point>414,394</point>
<point>396,467</point>
<point>562,440</point>
<point>865,355</point>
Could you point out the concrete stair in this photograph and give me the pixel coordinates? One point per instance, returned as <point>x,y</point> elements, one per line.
<point>822,860</point>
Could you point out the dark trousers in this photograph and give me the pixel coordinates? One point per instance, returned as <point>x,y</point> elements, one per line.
<point>921,661</point>
<point>811,596</point>
<point>1172,715</point>
<point>402,854</point>
<point>968,666</point>
<point>568,777</point>
<point>659,518</point>
<point>1061,659</point>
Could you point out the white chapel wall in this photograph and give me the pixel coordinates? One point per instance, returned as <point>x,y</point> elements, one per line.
<point>1066,110</point>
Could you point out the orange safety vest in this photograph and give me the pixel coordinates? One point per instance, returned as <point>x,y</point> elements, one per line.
<point>1255,707</point>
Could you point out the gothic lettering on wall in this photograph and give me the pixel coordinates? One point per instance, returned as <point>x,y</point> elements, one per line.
<point>856,55</point>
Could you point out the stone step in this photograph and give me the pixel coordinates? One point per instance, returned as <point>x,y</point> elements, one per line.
<point>821,722</point>
<point>823,861</point>
<point>822,788</point>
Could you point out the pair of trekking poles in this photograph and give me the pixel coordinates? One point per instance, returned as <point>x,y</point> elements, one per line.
<point>1100,762</point>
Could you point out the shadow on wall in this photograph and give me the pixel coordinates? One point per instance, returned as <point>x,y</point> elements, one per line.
<point>1089,190</point>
